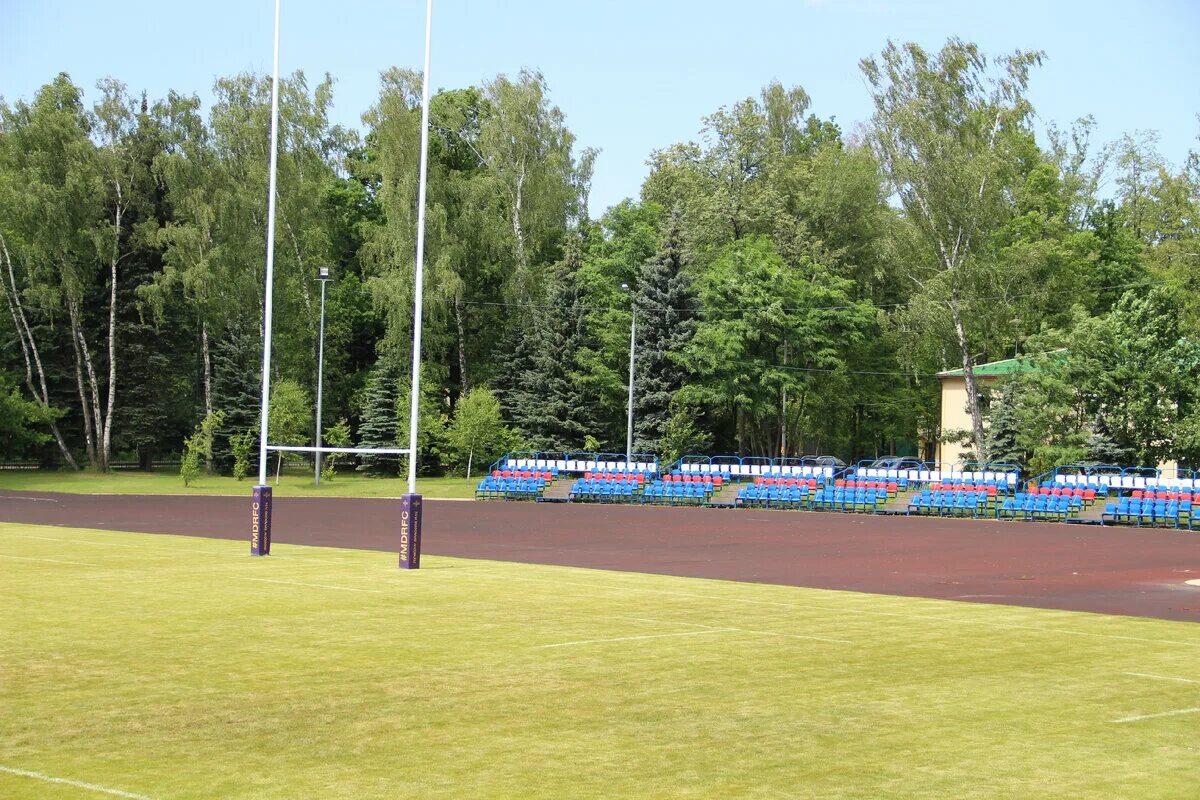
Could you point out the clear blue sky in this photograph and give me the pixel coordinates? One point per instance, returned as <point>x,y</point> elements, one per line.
<point>631,75</point>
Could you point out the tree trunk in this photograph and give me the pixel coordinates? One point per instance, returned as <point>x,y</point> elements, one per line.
<point>88,429</point>
<point>462,346</point>
<point>204,353</point>
<point>94,390</point>
<point>30,352</point>
<point>518,230</point>
<point>969,379</point>
<point>106,444</point>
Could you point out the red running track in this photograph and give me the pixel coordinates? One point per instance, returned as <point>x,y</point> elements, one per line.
<point>1080,568</point>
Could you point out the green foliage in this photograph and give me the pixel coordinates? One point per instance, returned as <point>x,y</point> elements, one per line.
<point>289,418</point>
<point>478,433</point>
<point>797,289</point>
<point>337,436</point>
<point>1102,448</point>
<point>770,327</point>
<point>664,303</point>
<point>379,427</point>
<point>681,437</point>
<point>236,366</point>
<point>21,421</point>
<point>189,463</point>
<point>241,445</point>
<point>199,447</point>
<point>1002,445</point>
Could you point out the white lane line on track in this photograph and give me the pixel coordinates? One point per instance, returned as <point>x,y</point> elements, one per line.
<point>52,561</point>
<point>928,618</point>
<point>31,499</point>
<point>1140,717</point>
<point>743,630</point>
<point>91,787</point>
<point>1161,677</point>
<point>633,638</point>
<point>313,585</point>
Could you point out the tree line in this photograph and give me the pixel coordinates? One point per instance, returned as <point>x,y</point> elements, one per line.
<point>796,287</point>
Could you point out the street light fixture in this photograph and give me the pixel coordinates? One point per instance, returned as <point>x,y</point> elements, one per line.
<point>632,353</point>
<point>324,276</point>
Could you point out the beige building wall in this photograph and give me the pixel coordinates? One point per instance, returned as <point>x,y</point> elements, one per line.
<point>955,416</point>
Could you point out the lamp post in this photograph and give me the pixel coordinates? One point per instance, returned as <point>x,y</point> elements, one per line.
<point>323,276</point>
<point>632,353</point>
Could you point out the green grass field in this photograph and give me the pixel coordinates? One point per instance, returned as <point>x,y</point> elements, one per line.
<point>293,483</point>
<point>171,668</point>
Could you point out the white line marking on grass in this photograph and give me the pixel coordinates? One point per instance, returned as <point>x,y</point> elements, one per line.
<point>1175,713</point>
<point>52,561</point>
<point>742,630</point>
<point>91,787</point>
<point>313,585</point>
<point>69,541</point>
<point>1161,677</point>
<point>178,550</point>
<point>634,638</point>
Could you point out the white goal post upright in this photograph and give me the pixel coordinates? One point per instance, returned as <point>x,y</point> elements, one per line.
<point>260,510</point>
<point>410,509</point>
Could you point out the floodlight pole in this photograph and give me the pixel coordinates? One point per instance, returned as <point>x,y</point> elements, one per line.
<point>632,353</point>
<point>324,277</point>
<point>410,509</point>
<point>260,515</point>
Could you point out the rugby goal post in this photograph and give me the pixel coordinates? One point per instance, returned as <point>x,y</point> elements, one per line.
<point>409,545</point>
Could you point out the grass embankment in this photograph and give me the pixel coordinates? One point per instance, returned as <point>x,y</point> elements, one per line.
<point>291,484</point>
<point>182,669</point>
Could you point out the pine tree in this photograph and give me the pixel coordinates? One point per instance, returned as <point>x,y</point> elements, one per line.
<point>664,302</point>
<point>546,405</point>
<point>380,425</point>
<point>1102,448</point>
<point>237,370</point>
<point>1001,444</point>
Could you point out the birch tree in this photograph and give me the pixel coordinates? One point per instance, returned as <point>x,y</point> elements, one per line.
<point>53,203</point>
<point>947,128</point>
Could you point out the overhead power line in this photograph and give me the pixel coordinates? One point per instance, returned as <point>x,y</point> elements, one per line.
<point>744,310</point>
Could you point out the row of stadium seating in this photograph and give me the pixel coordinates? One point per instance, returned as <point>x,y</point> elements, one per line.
<point>1126,482</point>
<point>802,497</point>
<point>546,475</point>
<point>951,504</point>
<point>675,494</point>
<point>714,480</point>
<point>655,493</point>
<point>492,488</point>
<point>891,487</point>
<point>988,489</point>
<point>615,477</point>
<point>1162,494</point>
<point>762,495</point>
<point>1176,513</point>
<point>811,483</point>
<point>1039,507</point>
<point>1087,495</point>
<point>580,464</point>
<point>728,471</point>
<point>594,490</point>
<point>935,475</point>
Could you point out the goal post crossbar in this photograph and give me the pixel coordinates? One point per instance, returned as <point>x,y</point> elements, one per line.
<point>391,451</point>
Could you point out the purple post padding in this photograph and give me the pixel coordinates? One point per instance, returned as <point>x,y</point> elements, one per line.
<point>260,521</point>
<point>410,531</point>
